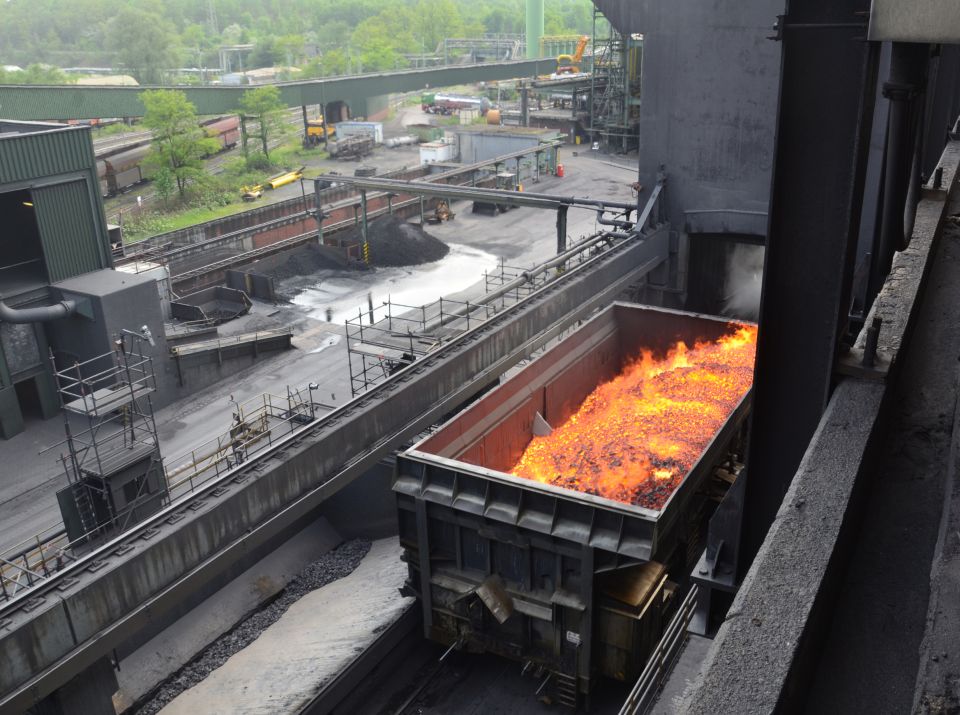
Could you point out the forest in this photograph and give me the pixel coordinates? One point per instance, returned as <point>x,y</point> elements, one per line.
<point>148,38</point>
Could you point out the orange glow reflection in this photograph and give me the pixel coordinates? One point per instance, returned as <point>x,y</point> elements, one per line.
<point>635,438</point>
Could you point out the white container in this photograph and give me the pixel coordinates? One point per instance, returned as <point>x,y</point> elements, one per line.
<point>433,152</point>
<point>367,129</point>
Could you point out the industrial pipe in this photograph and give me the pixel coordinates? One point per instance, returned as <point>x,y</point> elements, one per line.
<point>627,224</point>
<point>905,83</point>
<point>529,198</point>
<point>43,314</point>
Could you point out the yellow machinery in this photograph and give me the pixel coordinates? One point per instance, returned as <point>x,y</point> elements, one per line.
<point>252,193</point>
<point>287,177</point>
<point>315,131</point>
<point>570,64</point>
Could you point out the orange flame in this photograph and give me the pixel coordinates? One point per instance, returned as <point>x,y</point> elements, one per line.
<point>635,437</point>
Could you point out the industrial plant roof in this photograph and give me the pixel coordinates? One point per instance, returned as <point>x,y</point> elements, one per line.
<point>9,127</point>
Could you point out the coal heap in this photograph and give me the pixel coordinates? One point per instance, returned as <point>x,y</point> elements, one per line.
<point>395,242</point>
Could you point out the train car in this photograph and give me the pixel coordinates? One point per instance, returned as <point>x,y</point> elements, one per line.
<point>449,103</point>
<point>102,177</point>
<point>226,130</point>
<point>123,170</point>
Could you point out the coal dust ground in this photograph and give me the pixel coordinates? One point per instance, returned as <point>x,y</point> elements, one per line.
<point>333,565</point>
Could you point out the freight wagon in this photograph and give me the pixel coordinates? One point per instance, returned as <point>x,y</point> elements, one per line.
<point>571,567</point>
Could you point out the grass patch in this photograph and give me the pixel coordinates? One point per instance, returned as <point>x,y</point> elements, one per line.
<point>220,195</point>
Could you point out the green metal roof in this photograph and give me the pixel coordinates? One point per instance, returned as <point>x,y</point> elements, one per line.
<point>57,165</point>
<point>91,102</point>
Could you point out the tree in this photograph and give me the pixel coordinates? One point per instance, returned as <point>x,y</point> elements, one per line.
<point>179,143</point>
<point>436,20</point>
<point>264,106</point>
<point>145,43</point>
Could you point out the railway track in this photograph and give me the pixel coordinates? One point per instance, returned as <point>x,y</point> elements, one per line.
<point>111,144</point>
<point>215,165</point>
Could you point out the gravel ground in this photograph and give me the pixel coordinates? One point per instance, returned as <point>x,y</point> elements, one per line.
<point>332,566</point>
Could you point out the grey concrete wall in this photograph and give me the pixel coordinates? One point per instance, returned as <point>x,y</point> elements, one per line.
<point>476,147</point>
<point>767,648</point>
<point>710,81</point>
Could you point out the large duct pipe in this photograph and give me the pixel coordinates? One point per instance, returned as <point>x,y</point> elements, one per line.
<point>43,314</point>
<point>534,28</point>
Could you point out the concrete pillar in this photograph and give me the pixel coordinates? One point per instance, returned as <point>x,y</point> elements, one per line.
<point>90,693</point>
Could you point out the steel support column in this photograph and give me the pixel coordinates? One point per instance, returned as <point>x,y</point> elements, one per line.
<point>318,206</point>
<point>818,177</point>
<point>903,89</point>
<point>561,229</point>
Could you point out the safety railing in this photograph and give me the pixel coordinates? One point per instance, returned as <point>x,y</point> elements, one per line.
<point>256,424</point>
<point>229,341</point>
<point>661,661</point>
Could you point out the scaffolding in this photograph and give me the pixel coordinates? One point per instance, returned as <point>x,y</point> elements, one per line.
<point>615,87</point>
<point>113,465</point>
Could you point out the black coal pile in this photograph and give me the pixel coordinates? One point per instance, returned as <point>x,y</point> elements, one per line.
<point>395,242</point>
<point>302,261</point>
<point>328,568</point>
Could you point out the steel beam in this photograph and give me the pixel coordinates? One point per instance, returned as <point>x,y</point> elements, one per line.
<point>75,102</point>
<point>504,196</point>
<point>818,179</point>
<point>257,501</point>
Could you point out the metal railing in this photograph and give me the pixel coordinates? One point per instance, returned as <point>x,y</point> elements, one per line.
<point>256,424</point>
<point>662,659</point>
<point>229,341</point>
<point>383,338</point>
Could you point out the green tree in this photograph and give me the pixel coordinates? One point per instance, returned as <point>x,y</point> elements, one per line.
<point>144,42</point>
<point>383,39</point>
<point>263,105</point>
<point>179,143</point>
<point>437,19</point>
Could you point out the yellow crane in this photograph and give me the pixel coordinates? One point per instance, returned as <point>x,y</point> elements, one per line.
<point>570,64</point>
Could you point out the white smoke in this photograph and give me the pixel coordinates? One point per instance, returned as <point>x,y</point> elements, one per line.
<point>744,279</point>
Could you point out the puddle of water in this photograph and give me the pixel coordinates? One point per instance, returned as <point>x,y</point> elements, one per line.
<point>345,295</point>
<point>327,342</point>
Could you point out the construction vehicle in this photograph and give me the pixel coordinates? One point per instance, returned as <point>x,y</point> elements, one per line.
<point>441,213</point>
<point>570,64</point>
<point>317,131</point>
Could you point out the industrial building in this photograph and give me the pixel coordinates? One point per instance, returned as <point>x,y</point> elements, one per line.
<point>628,473</point>
<point>60,295</point>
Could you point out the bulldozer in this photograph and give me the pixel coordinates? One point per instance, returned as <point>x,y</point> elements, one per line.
<point>570,64</point>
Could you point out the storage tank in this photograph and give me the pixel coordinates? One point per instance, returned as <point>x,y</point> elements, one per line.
<point>544,523</point>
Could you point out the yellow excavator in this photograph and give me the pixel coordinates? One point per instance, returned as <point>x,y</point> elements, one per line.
<point>316,130</point>
<point>570,64</point>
